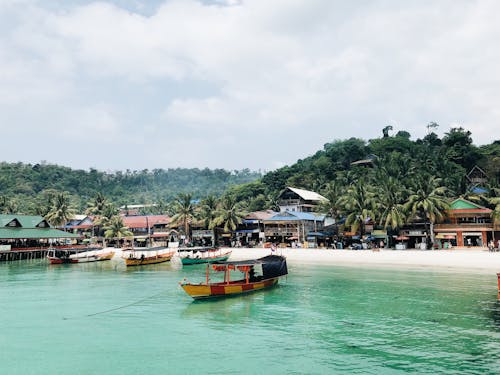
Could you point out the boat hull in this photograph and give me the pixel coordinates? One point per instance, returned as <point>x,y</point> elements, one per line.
<point>217,290</point>
<point>190,261</point>
<point>160,258</point>
<point>57,260</point>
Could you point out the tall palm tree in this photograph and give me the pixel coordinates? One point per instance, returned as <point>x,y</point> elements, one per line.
<point>96,205</point>
<point>116,229</point>
<point>358,203</point>
<point>390,202</point>
<point>95,208</point>
<point>228,214</point>
<point>428,201</point>
<point>108,212</point>
<point>61,211</point>
<point>185,212</point>
<point>207,213</point>
<point>331,207</point>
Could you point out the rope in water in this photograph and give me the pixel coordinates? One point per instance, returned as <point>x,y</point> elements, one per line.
<point>120,307</point>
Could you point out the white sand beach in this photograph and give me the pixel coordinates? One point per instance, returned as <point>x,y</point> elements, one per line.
<point>459,260</point>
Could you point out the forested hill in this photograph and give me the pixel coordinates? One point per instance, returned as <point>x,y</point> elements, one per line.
<point>26,185</point>
<point>391,168</point>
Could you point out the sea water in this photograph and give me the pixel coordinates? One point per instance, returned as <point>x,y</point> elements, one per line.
<point>104,318</point>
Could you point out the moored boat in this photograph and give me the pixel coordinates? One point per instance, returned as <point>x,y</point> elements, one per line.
<point>258,274</point>
<point>67,257</point>
<point>191,256</point>
<point>498,277</point>
<point>153,255</point>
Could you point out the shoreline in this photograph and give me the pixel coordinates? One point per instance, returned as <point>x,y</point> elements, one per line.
<point>457,260</point>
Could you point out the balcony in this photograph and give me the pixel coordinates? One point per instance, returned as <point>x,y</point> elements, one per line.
<point>462,227</point>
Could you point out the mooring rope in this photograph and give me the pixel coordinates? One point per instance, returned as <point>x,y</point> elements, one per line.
<point>118,308</point>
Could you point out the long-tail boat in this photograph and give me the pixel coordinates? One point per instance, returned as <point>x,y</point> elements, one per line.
<point>498,277</point>
<point>66,256</point>
<point>144,256</point>
<point>191,256</point>
<point>258,274</point>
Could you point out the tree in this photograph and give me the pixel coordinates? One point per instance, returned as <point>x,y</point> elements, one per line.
<point>208,213</point>
<point>96,208</point>
<point>61,211</point>
<point>185,212</point>
<point>431,125</point>
<point>428,201</point>
<point>358,205</point>
<point>116,229</point>
<point>385,131</point>
<point>228,214</point>
<point>332,193</point>
<point>390,203</point>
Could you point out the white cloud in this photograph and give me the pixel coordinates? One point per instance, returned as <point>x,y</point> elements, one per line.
<point>289,75</point>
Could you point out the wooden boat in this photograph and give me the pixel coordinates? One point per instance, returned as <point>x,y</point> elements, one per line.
<point>498,277</point>
<point>258,274</point>
<point>195,255</point>
<point>66,256</point>
<point>152,255</point>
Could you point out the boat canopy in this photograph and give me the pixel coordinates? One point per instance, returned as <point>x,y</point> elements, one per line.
<point>272,265</point>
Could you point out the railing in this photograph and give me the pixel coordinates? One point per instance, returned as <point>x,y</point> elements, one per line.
<point>464,226</point>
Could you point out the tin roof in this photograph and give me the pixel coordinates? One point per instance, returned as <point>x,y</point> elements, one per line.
<point>308,195</point>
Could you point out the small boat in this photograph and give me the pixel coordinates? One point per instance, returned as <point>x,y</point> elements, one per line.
<point>144,256</point>
<point>498,277</point>
<point>258,274</point>
<point>198,255</point>
<point>66,256</point>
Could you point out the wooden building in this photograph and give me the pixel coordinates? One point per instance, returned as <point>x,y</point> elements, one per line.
<point>467,224</point>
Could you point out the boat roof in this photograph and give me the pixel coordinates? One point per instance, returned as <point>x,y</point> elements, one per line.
<point>250,262</point>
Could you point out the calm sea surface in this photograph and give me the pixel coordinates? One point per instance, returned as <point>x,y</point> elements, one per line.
<point>101,318</point>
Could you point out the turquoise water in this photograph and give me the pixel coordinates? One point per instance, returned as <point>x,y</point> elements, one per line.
<point>101,318</point>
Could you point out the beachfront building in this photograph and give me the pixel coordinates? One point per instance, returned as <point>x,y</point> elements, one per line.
<point>467,224</point>
<point>82,225</point>
<point>251,230</point>
<point>302,228</point>
<point>154,227</point>
<point>29,235</point>
<point>299,200</point>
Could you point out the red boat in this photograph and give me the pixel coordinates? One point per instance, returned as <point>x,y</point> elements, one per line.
<point>498,276</point>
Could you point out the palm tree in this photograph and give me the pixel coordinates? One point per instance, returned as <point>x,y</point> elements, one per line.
<point>208,213</point>
<point>61,211</point>
<point>331,207</point>
<point>185,212</point>
<point>95,208</point>
<point>391,198</point>
<point>428,201</point>
<point>358,203</point>
<point>115,228</point>
<point>228,214</point>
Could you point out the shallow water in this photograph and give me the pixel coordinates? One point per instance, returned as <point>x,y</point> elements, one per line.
<point>103,318</point>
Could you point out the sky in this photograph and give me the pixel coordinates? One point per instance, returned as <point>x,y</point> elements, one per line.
<point>234,84</point>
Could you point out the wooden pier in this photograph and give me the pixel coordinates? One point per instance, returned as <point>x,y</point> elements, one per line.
<point>11,255</point>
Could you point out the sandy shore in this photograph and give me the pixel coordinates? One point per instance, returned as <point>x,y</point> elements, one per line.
<point>459,260</point>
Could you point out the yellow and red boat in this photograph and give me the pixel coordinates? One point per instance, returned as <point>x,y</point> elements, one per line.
<point>141,257</point>
<point>257,274</point>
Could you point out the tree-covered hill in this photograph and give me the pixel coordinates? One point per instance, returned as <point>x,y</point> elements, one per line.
<point>26,186</point>
<point>398,160</point>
